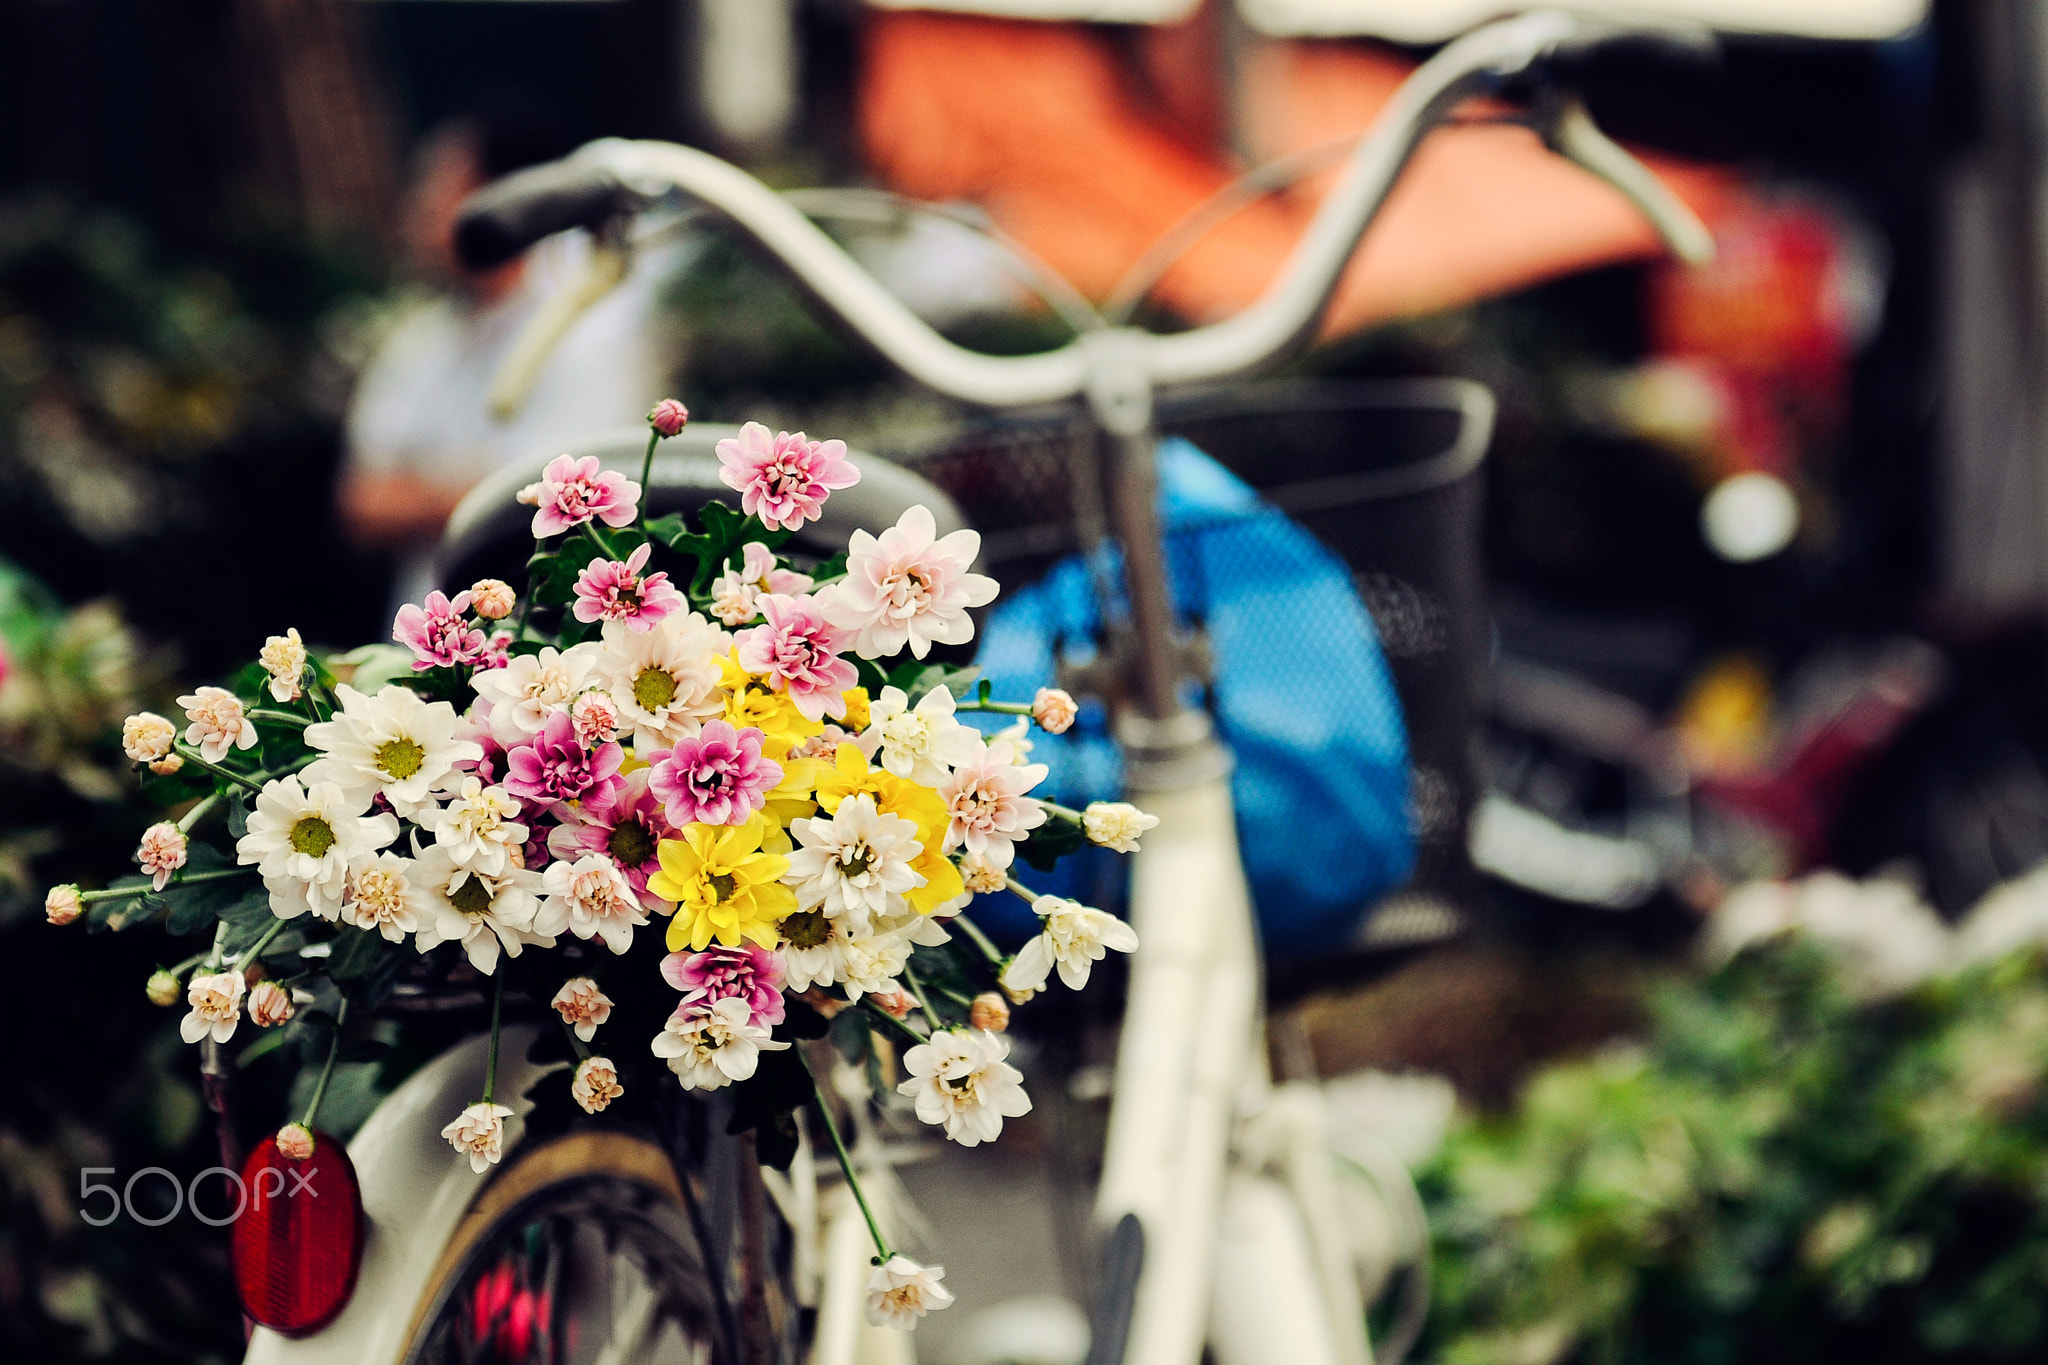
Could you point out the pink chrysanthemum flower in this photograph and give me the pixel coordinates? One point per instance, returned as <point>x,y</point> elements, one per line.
<point>798,653</point>
<point>613,590</point>
<point>908,586</point>
<point>715,777</point>
<point>497,651</point>
<point>746,973</point>
<point>572,492</point>
<point>734,592</point>
<point>988,805</point>
<point>783,479</point>
<point>625,823</point>
<point>437,634</point>
<point>554,765</point>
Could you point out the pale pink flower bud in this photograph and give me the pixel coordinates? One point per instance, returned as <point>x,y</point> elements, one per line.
<point>62,905</point>
<point>668,417</point>
<point>596,717</point>
<point>529,495</point>
<point>981,876</point>
<point>1116,825</point>
<point>163,988</point>
<point>167,765</point>
<point>1017,996</point>
<point>582,1006</point>
<point>295,1142</point>
<point>896,1002</point>
<point>218,723</point>
<point>596,1084</point>
<point>989,1011</point>
<point>162,852</point>
<point>284,658</point>
<point>269,1005</point>
<point>478,1132</point>
<point>492,598</point>
<point>147,737</point>
<point>1053,709</point>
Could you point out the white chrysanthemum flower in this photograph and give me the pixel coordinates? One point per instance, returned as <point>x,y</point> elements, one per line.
<point>855,863</point>
<point>901,1291</point>
<point>590,898</point>
<point>959,1079</point>
<point>665,680</point>
<point>479,1134</point>
<point>479,911</point>
<point>595,1084</point>
<point>981,876</point>
<point>479,828</point>
<point>284,658</point>
<point>526,691</point>
<point>817,951</point>
<point>712,1048</point>
<point>218,723</point>
<point>385,894</point>
<point>1116,824</point>
<point>216,1002</point>
<point>396,743</point>
<point>1075,937</point>
<point>924,743</point>
<point>303,840</point>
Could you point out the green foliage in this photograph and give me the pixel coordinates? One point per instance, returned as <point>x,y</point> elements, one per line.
<point>1780,1172</point>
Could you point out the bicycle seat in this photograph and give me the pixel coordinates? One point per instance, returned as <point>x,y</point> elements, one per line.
<point>490,534</point>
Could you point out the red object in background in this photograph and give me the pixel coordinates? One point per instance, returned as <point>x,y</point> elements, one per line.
<point>299,1241</point>
<point>507,1315</point>
<point>1770,317</point>
<point>1087,142</point>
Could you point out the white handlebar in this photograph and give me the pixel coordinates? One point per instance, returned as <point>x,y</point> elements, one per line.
<point>1282,319</point>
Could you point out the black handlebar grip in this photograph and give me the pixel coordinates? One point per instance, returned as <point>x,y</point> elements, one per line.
<point>507,216</point>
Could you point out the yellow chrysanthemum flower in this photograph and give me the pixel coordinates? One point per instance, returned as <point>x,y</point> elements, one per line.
<point>749,701</point>
<point>857,718</point>
<point>723,884</point>
<point>790,799</point>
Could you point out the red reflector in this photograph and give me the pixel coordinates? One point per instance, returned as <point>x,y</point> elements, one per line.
<point>299,1241</point>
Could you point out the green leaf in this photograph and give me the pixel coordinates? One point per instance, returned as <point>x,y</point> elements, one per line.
<point>930,676</point>
<point>193,908</point>
<point>831,571</point>
<point>666,529</point>
<point>364,1050</point>
<point>356,952</point>
<point>238,816</point>
<point>1055,839</point>
<point>850,1036</point>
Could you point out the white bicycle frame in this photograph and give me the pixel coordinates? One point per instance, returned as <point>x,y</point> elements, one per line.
<point>1227,1175</point>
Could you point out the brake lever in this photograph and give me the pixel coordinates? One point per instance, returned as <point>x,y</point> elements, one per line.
<point>1566,128</point>
<point>611,257</point>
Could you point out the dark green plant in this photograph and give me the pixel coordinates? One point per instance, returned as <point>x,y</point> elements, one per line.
<point>1780,1172</point>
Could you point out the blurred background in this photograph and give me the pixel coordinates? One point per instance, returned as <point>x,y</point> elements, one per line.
<point>1710,1014</point>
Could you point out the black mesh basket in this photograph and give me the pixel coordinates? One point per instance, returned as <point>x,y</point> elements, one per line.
<point>1381,472</point>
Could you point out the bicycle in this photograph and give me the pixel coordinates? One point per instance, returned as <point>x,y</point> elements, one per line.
<point>1198,1135</point>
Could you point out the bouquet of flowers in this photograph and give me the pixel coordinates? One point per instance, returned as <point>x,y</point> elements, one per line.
<point>727,794</point>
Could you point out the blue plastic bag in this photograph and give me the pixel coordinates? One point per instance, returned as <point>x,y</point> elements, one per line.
<point>1302,696</point>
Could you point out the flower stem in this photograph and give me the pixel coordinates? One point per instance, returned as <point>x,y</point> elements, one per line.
<point>581,1049</point>
<point>917,989</point>
<point>279,717</point>
<point>877,1012</point>
<point>647,473</point>
<point>253,953</point>
<point>610,551</point>
<point>882,1252</point>
<point>327,1068</point>
<point>981,940</point>
<point>220,943</point>
<point>191,754</point>
<point>1018,889</point>
<point>198,812</point>
<point>1007,708</point>
<point>497,1007</point>
<point>526,609</point>
<point>121,893</point>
